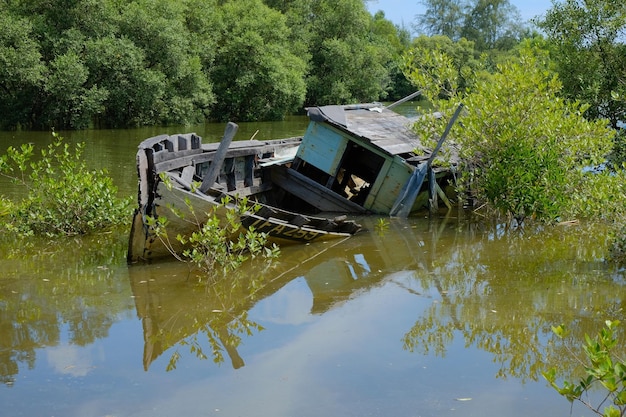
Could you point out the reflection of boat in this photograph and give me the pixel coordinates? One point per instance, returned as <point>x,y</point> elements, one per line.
<point>174,308</point>
<point>352,160</point>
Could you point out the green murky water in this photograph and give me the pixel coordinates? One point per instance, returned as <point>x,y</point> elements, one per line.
<point>427,317</point>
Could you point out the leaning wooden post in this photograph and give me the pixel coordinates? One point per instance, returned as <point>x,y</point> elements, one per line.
<point>214,170</point>
<point>432,194</point>
<point>405,200</point>
<point>433,203</point>
<point>405,99</point>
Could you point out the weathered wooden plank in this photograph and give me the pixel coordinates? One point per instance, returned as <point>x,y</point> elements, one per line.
<point>174,160</point>
<point>252,190</point>
<point>187,174</point>
<point>188,141</point>
<point>266,211</point>
<point>154,141</point>
<point>324,148</point>
<point>387,130</point>
<point>324,224</point>
<point>254,145</point>
<point>300,219</point>
<point>443,197</point>
<point>143,168</point>
<point>163,156</point>
<point>405,99</point>
<point>433,201</point>
<point>277,220</point>
<point>220,155</point>
<point>313,193</point>
<point>393,175</point>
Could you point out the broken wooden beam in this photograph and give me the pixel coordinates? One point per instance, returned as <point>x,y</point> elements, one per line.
<point>210,178</point>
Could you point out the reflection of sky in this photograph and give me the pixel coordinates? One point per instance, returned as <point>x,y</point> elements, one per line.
<point>350,362</point>
<point>290,305</point>
<point>70,360</point>
<point>360,259</point>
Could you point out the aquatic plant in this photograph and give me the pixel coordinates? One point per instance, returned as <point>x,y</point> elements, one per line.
<point>63,197</point>
<point>604,370</point>
<point>382,224</point>
<point>216,242</point>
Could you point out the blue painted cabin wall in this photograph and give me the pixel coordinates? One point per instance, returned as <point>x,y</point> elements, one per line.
<point>323,147</point>
<point>393,175</point>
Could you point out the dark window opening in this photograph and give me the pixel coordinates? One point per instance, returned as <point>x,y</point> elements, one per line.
<point>358,171</point>
<point>311,172</point>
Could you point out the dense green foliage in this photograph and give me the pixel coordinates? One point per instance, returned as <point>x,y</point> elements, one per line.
<point>425,59</point>
<point>588,51</point>
<point>346,64</point>
<point>81,63</point>
<point>490,24</point>
<point>351,56</point>
<point>63,197</point>
<point>524,148</point>
<point>395,41</point>
<point>251,41</point>
<point>605,370</point>
<point>116,64</point>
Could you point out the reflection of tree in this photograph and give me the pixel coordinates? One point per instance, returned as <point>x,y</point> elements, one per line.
<point>210,318</point>
<point>502,292</point>
<point>46,287</point>
<point>178,310</point>
<point>16,345</point>
<point>220,337</point>
<point>499,290</point>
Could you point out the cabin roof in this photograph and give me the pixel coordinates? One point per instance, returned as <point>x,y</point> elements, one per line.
<point>372,122</point>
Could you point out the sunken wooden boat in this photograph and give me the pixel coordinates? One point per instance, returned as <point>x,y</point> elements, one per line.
<point>353,160</point>
<point>174,183</point>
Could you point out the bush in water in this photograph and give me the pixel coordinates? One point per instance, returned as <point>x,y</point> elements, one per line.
<point>63,197</point>
<point>216,243</point>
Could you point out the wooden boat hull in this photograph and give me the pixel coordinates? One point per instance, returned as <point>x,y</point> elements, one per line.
<point>192,210</point>
<point>180,157</point>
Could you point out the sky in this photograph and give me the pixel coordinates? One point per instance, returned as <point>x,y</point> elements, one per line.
<point>404,11</point>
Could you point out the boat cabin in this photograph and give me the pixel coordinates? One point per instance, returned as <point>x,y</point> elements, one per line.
<point>358,157</point>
